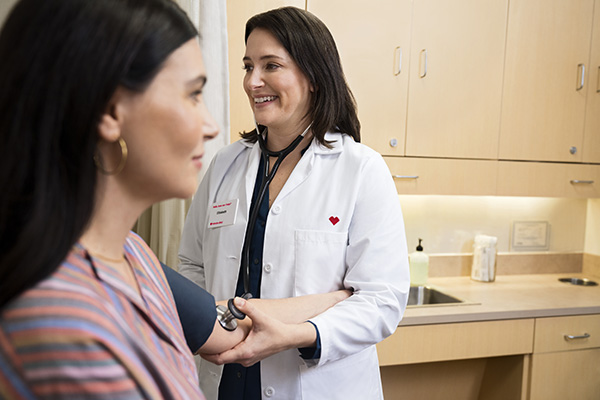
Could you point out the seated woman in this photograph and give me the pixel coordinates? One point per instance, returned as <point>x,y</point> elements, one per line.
<point>102,115</point>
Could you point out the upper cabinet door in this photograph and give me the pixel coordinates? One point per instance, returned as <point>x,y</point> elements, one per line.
<point>373,40</point>
<point>545,86</point>
<point>591,135</point>
<point>455,86</point>
<point>238,12</point>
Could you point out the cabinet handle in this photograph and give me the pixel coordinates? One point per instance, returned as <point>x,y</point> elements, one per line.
<point>397,60</point>
<point>423,65</point>
<point>598,82</point>
<point>579,181</point>
<point>405,176</point>
<point>575,337</point>
<point>580,76</point>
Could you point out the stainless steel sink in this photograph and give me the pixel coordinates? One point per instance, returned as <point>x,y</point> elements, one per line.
<point>424,296</point>
<point>578,281</point>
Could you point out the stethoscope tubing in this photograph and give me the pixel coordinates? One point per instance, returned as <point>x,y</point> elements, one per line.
<point>255,206</point>
<point>227,315</point>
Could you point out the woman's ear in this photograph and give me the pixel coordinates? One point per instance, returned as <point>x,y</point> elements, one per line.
<point>109,127</point>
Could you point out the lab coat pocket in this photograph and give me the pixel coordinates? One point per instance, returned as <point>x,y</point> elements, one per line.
<point>320,261</point>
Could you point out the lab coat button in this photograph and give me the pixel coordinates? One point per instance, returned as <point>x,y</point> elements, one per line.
<point>276,210</point>
<point>269,391</point>
<point>268,268</point>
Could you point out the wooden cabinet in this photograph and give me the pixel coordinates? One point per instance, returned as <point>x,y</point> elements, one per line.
<point>566,353</point>
<point>374,44</point>
<point>457,341</point>
<point>545,87</point>
<point>455,85</point>
<point>591,135</point>
<point>452,72</point>
<point>443,176</point>
<point>548,179</point>
<point>473,360</point>
<point>238,12</point>
<point>536,359</point>
<point>474,98</point>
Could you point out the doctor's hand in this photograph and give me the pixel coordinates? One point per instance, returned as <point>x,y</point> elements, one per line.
<point>267,337</point>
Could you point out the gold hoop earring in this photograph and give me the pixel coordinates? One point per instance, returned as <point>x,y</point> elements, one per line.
<point>121,165</point>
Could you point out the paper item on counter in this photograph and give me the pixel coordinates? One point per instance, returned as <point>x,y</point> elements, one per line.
<point>484,258</point>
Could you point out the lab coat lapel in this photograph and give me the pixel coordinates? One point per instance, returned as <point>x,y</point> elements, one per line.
<point>251,172</point>
<point>305,166</point>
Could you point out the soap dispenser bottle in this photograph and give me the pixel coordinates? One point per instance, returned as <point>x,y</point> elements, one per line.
<point>419,266</point>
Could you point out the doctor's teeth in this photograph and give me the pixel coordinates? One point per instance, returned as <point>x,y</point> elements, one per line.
<point>264,99</point>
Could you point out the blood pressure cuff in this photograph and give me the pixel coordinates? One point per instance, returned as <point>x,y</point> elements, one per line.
<point>195,306</point>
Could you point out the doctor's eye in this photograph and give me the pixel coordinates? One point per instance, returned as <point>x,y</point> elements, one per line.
<point>272,66</point>
<point>247,67</point>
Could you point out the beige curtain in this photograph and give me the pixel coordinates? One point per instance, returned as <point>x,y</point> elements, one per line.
<point>5,8</point>
<point>162,224</point>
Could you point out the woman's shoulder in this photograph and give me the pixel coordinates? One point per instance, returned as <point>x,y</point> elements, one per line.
<point>67,304</point>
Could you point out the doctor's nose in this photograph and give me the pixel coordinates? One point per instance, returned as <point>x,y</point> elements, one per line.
<point>253,80</point>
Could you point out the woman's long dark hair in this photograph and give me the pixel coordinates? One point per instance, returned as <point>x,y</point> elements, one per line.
<point>62,60</point>
<point>311,46</point>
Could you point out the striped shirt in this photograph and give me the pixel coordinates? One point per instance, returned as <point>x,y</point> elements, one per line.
<point>84,333</point>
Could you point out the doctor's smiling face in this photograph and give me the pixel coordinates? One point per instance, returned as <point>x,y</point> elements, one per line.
<point>278,91</point>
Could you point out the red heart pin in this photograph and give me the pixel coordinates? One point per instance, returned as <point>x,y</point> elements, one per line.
<point>334,220</point>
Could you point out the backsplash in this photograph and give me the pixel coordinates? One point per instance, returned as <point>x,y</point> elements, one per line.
<point>448,224</point>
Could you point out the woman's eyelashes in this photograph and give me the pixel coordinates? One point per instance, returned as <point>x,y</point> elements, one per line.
<point>196,96</point>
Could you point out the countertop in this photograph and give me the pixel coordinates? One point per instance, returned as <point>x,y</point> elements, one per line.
<point>509,297</point>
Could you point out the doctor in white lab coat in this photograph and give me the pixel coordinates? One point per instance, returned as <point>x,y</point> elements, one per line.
<point>334,219</point>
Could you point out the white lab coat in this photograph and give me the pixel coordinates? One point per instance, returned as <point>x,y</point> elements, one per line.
<point>335,224</point>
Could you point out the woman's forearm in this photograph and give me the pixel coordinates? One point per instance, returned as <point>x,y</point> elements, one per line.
<point>222,339</point>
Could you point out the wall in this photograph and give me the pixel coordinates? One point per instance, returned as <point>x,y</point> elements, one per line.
<point>592,228</point>
<point>448,224</point>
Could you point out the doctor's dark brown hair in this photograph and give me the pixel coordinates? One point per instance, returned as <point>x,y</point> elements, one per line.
<point>62,61</point>
<point>311,46</point>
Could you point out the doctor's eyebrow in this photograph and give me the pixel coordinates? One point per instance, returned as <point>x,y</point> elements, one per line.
<point>265,57</point>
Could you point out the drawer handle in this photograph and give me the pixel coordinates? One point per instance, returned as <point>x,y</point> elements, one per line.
<point>580,76</point>
<point>579,181</point>
<point>405,176</point>
<point>575,337</point>
<point>397,61</point>
<point>423,64</point>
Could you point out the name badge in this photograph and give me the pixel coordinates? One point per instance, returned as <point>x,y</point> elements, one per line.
<point>223,214</point>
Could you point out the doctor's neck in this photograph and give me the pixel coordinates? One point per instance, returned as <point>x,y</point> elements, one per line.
<point>279,139</point>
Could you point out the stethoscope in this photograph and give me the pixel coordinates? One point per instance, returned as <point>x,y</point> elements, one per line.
<point>227,315</point>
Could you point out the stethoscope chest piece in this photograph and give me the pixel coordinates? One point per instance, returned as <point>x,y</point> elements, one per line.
<point>226,318</point>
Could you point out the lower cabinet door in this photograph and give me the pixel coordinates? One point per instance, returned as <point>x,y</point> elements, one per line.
<point>566,375</point>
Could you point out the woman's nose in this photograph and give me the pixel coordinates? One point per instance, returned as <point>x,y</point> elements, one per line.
<point>210,128</point>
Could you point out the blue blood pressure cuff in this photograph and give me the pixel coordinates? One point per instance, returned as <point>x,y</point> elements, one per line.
<point>195,306</point>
